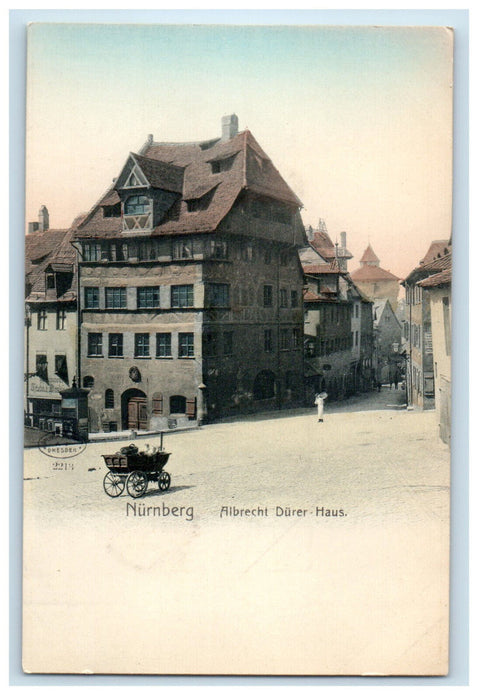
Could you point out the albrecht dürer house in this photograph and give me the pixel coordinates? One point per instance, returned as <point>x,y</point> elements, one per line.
<point>190,286</point>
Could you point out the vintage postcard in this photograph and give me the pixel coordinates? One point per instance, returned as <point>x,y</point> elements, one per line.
<point>237,349</point>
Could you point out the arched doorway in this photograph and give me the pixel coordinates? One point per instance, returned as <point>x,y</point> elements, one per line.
<point>134,414</point>
<point>264,385</point>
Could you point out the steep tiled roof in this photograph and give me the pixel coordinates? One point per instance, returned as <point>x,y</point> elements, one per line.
<point>39,245</point>
<point>322,243</point>
<point>369,256</point>
<point>439,278</point>
<point>247,168</point>
<point>436,249</point>
<point>370,273</point>
<point>438,264</point>
<point>328,268</point>
<point>62,258</point>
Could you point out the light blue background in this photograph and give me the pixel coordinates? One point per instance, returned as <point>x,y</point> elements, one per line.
<point>458,19</point>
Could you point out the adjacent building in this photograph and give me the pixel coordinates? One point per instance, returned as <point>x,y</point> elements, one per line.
<point>375,282</point>
<point>338,329</point>
<point>388,345</point>
<point>190,286</point>
<point>50,322</point>
<point>438,287</point>
<point>418,326</point>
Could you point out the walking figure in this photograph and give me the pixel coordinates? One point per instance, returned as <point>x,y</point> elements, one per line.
<point>319,402</point>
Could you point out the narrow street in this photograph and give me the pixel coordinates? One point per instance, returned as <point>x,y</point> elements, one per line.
<point>348,519</point>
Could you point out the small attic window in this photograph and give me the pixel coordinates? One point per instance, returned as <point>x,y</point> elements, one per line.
<point>200,203</point>
<point>112,210</point>
<point>219,166</point>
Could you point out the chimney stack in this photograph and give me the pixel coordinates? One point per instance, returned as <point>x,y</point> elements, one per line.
<point>43,219</point>
<point>343,239</point>
<point>230,127</point>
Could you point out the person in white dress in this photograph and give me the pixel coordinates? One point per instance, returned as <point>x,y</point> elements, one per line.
<point>319,402</point>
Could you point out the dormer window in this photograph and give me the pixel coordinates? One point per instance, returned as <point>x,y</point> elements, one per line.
<point>50,281</point>
<point>219,166</point>
<point>137,204</point>
<point>110,211</point>
<point>137,213</point>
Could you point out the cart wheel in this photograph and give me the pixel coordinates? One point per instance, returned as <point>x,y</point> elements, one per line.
<point>164,481</point>
<point>113,484</point>
<point>136,484</point>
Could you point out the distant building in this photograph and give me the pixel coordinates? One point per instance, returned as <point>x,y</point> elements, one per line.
<point>387,337</point>
<point>337,329</point>
<point>418,327</point>
<point>191,286</point>
<point>321,242</point>
<point>375,282</point>
<point>438,287</point>
<point>51,322</point>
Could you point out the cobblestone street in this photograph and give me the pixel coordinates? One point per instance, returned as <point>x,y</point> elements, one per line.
<point>381,564</point>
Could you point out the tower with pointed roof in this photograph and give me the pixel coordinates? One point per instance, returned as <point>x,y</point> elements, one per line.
<point>375,282</point>
<point>191,286</point>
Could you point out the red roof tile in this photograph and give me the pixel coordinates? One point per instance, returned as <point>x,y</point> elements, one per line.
<point>325,269</point>
<point>369,255</point>
<point>370,273</point>
<point>437,248</point>
<point>250,168</point>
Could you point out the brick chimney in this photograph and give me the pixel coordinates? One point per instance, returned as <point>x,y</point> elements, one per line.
<point>343,239</point>
<point>43,219</point>
<point>230,127</point>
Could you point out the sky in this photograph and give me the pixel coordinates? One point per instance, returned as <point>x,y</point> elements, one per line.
<point>358,120</point>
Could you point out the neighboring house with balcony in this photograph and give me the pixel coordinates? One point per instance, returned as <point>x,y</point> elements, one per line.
<point>191,286</point>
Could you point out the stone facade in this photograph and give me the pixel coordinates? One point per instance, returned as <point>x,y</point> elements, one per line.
<point>191,303</point>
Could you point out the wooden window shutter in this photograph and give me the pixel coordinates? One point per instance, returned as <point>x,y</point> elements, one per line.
<point>157,404</point>
<point>191,408</point>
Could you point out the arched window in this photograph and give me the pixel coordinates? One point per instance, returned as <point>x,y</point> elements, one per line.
<point>109,398</point>
<point>137,204</point>
<point>88,382</point>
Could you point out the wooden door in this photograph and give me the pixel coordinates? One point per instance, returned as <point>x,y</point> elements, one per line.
<point>137,413</point>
